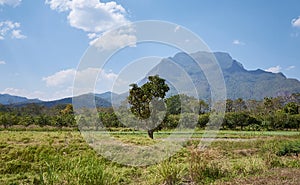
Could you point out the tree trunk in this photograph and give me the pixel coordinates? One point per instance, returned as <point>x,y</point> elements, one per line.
<point>150,133</point>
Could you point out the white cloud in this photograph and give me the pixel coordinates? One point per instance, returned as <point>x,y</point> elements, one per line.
<point>96,18</point>
<point>275,69</point>
<point>16,34</point>
<point>84,80</point>
<point>60,78</point>
<point>93,35</point>
<point>290,68</point>
<point>13,3</point>
<point>91,15</point>
<point>115,39</point>
<point>2,62</point>
<point>238,42</point>
<point>59,5</point>
<point>9,28</point>
<point>296,22</point>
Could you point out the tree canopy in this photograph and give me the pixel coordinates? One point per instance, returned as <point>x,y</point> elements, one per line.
<point>146,101</point>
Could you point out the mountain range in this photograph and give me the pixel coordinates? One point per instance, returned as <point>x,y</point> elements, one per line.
<point>101,100</point>
<point>6,99</point>
<point>240,83</point>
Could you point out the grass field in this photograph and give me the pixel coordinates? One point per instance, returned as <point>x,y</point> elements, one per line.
<point>63,157</point>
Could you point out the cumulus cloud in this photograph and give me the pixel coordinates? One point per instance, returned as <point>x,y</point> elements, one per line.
<point>2,62</point>
<point>238,42</point>
<point>60,78</point>
<point>84,78</point>
<point>275,69</point>
<point>94,17</point>
<point>59,5</point>
<point>12,29</point>
<point>91,15</point>
<point>13,3</point>
<point>296,22</point>
<point>16,34</point>
<point>115,39</point>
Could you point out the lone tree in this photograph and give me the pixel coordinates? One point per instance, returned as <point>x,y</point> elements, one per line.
<point>146,101</point>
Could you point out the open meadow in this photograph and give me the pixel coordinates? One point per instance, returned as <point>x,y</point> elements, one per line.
<point>234,157</point>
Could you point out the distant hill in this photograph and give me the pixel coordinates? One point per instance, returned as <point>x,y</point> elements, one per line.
<point>107,96</point>
<point>6,99</point>
<point>80,100</point>
<point>240,83</point>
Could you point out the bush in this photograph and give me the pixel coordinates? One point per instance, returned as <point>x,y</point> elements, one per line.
<point>292,147</point>
<point>188,120</point>
<point>203,120</point>
<point>171,121</point>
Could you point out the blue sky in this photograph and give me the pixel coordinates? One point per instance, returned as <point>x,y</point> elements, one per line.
<point>42,42</point>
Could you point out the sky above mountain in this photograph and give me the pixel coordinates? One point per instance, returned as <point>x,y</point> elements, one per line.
<point>42,42</point>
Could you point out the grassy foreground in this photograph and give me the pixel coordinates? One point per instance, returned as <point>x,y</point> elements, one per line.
<point>31,157</point>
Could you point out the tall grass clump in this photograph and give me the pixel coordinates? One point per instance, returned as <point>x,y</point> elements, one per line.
<point>248,166</point>
<point>80,170</point>
<point>168,173</point>
<point>206,165</point>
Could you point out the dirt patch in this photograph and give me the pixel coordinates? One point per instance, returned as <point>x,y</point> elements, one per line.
<point>286,176</point>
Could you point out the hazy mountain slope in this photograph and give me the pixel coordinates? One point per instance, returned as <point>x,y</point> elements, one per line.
<point>240,83</point>
<point>6,99</point>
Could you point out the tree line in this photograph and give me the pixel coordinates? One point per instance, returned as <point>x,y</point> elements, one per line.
<point>154,112</point>
<point>279,113</point>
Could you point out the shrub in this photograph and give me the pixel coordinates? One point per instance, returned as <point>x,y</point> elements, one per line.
<point>292,147</point>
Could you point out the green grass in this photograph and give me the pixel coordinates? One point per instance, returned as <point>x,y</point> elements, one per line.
<point>64,157</point>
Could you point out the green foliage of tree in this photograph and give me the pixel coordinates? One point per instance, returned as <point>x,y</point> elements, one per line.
<point>233,120</point>
<point>141,99</point>
<point>291,108</point>
<point>171,121</point>
<point>203,119</point>
<point>173,104</point>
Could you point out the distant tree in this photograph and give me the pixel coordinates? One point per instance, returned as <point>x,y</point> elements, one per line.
<point>182,103</point>
<point>291,108</point>
<point>66,116</point>
<point>236,119</point>
<point>146,100</point>
<point>4,120</point>
<point>203,119</point>
<point>173,104</point>
<point>253,106</point>
<point>271,104</point>
<point>239,105</point>
<point>32,109</point>
<point>43,120</point>
<point>229,105</point>
<point>203,107</point>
